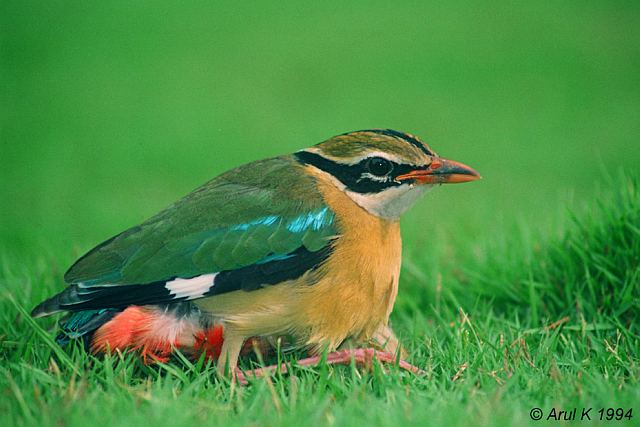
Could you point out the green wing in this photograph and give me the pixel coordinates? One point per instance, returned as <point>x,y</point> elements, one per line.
<point>259,212</point>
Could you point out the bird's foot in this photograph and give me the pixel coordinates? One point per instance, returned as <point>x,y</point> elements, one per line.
<point>361,357</point>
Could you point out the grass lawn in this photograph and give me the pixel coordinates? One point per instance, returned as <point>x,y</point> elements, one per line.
<point>519,291</point>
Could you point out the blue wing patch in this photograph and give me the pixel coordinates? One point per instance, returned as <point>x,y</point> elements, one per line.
<point>267,220</point>
<point>314,220</point>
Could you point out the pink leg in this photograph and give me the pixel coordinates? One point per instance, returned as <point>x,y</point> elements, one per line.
<point>362,357</point>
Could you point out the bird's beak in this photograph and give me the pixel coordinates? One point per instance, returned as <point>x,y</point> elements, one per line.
<point>441,171</point>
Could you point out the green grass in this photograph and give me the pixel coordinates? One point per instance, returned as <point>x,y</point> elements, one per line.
<point>110,112</point>
<point>553,325</point>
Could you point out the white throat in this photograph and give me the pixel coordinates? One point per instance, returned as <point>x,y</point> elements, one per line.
<point>392,202</point>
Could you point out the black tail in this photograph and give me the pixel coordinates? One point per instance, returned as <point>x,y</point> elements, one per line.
<point>49,306</point>
<point>82,325</point>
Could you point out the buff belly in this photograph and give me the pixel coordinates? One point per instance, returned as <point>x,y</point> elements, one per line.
<point>350,296</point>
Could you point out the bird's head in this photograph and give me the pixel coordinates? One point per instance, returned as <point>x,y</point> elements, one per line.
<point>382,170</point>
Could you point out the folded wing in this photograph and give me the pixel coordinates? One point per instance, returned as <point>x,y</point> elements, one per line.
<point>257,225</point>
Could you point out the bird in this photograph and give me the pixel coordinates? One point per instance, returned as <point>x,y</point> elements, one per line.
<point>303,249</point>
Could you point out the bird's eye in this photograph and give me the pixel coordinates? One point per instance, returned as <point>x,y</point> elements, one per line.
<point>378,166</point>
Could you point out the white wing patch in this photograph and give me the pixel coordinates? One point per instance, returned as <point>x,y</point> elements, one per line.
<point>193,288</point>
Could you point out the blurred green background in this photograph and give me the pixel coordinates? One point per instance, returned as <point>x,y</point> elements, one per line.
<point>112,110</point>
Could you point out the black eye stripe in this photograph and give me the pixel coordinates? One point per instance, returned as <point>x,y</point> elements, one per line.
<point>378,166</point>
<point>351,175</point>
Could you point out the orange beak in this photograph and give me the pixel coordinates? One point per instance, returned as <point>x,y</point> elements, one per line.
<point>442,171</point>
